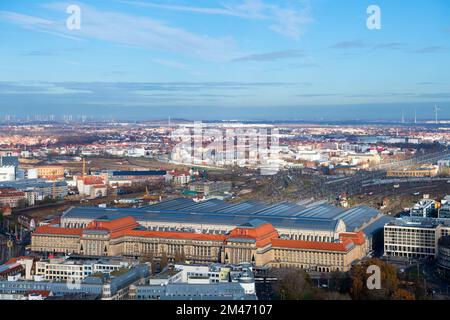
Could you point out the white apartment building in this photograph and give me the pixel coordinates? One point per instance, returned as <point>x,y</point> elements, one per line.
<point>7,173</point>
<point>424,208</point>
<point>62,269</point>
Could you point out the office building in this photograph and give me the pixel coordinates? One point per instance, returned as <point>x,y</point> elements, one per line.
<point>199,282</point>
<point>38,189</point>
<point>425,208</point>
<point>7,173</point>
<point>64,268</point>
<point>422,171</point>
<point>210,187</point>
<point>50,172</point>
<point>414,237</point>
<point>112,287</point>
<point>12,198</point>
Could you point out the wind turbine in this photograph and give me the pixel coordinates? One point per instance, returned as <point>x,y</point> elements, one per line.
<point>436,109</point>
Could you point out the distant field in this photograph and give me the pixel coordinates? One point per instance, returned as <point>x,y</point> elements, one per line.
<point>105,163</point>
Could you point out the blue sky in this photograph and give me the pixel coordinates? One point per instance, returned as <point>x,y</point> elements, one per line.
<point>225,59</point>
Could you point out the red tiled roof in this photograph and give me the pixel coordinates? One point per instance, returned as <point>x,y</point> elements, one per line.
<point>262,234</point>
<point>171,235</point>
<point>15,259</point>
<point>10,192</point>
<point>356,237</point>
<point>44,293</point>
<point>58,231</point>
<point>99,186</point>
<point>92,180</point>
<point>116,225</point>
<point>56,220</point>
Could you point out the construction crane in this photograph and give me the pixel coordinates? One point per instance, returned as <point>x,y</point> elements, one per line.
<point>84,167</point>
<point>149,197</point>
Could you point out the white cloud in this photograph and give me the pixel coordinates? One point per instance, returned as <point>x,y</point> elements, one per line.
<point>289,20</point>
<point>171,64</point>
<point>30,88</point>
<point>35,23</point>
<point>128,29</point>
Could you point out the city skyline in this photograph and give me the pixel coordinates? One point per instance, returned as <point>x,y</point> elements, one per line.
<point>250,59</point>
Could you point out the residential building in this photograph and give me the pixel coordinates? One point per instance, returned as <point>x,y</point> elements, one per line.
<point>425,208</point>
<point>423,171</point>
<point>210,187</point>
<point>64,268</point>
<point>129,177</point>
<point>444,211</point>
<point>112,287</point>
<point>50,172</point>
<point>9,160</point>
<point>7,173</point>
<point>91,186</point>
<point>10,197</point>
<point>38,189</point>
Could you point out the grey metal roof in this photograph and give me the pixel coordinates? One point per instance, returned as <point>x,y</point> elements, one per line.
<point>377,226</point>
<point>253,223</point>
<point>184,291</point>
<point>284,208</point>
<point>218,218</point>
<point>358,216</point>
<point>214,211</point>
<point>324,211</point>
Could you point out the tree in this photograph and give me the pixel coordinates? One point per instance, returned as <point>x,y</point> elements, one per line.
<point>22,203</point>
<point>340,282</point>
<point>179,257</point>
<point>149,257</point>
<point>295,284</point>
<point>164,261</point>
<point>402,294</point>
<point>389,281</point>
